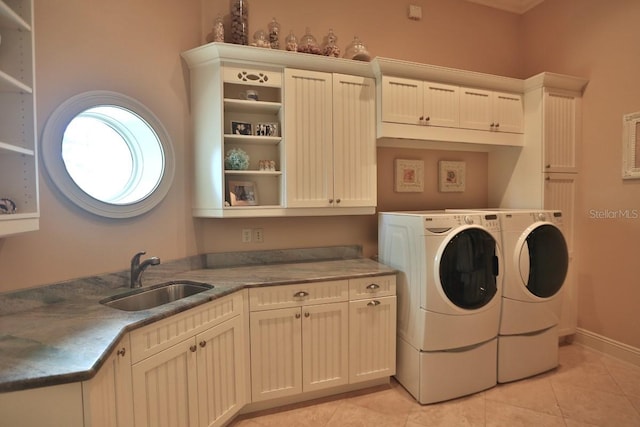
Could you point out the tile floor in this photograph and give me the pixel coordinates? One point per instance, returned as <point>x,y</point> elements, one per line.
<point>587,389</point>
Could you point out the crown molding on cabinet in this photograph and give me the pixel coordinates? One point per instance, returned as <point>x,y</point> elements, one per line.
<point>514,6</point>
<point>555,81</point>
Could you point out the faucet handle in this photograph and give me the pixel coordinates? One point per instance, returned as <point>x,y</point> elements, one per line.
<point>136,258</point>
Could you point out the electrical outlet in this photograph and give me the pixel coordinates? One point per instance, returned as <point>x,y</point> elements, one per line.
<point>246,235</point>
<point>258,235</point>
<point>415,12</point>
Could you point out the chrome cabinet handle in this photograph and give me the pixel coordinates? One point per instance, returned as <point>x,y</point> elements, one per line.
<point>121,352</point>
<point>203,344</point>
<point>301,294</point>
<point>373,287</point>
<point>373,303</point>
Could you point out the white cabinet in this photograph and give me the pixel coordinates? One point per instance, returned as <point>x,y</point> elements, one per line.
<point>224,119</point>
<point>315,336</point>
<point>419,102</point>
<point>491,111</point>
<point>107,397</point>
<point>189,369</point>
<point>544,174</point>
<point>331,154</point>
<point>372,328</point>
<point>299,338</point>
<point>18,148</point>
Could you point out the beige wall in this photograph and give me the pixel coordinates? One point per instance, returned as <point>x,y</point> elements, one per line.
<point>133,46</point>
<point>598,40</point>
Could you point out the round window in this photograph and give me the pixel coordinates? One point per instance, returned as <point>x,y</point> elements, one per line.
<point>108,154</point>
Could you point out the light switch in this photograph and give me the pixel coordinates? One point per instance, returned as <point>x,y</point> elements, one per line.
<point>415,12</point>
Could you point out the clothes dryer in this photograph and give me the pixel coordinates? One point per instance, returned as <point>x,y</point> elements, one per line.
<point>536,265</point>
<point>449,289</point>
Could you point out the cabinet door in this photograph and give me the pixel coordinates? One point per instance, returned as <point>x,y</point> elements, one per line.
<point>221,372</point>
<point>107,397</point>
<point>560,193</point>
<point>561,113</point>
<point>475,109</point>
<point>325,346</point>
<point>276,356</point>
<point>308,138</point>
<point>372,338</point>
<point>354,141</point>
<point>441,105</point>
<point>402,100</point>
<point>165,390</point>
<point>508,112</point>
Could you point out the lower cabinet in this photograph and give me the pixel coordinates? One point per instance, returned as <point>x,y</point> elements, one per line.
<point>316,336</point>
<point>198,381</point>
<point>107,398</point>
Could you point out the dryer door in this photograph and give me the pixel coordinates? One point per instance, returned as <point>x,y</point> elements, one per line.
<point>468,268</point>
<point>544,260</point>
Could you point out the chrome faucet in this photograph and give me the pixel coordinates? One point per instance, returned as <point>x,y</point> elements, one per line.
<point>137,268</point>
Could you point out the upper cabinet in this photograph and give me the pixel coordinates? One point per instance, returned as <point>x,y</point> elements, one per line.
<point>426,106</point>
<point>18,148</point>
<point>279,133</point>
<point>331,152</point>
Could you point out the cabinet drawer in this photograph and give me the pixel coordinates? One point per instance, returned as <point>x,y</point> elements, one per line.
<point>271,297</point>
<point>160,335</point>
<point>241,75</point>
<point>368,287</point>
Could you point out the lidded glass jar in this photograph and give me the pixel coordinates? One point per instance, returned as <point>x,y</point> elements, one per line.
<point>291,42</point>
<point>308,44</point>
<point>218,29</point>
<point>357,50</point>
<point>330,48</point>
<point>260,39</point>
<point>240,22</point>
<point>274,34</point>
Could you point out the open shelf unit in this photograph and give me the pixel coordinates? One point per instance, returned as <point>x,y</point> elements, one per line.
<point>18,148</point>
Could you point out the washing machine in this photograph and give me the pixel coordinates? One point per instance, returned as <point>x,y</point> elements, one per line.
<point>449,289</point>
<point>536,264</point>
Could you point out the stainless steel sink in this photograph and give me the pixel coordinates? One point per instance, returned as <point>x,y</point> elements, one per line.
<point>154,296</point>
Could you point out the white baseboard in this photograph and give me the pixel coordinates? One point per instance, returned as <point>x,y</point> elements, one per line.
<point>608,346</point>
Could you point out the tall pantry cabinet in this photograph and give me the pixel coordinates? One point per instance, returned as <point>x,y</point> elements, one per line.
<point>544,174</point>
<point>18,150</point>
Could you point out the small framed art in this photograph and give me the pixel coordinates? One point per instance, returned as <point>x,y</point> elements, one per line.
<point>241,128</point>
<point>267,129</point>
<point>243,193</point>
<point>409,176</point>
<point>451,176</point>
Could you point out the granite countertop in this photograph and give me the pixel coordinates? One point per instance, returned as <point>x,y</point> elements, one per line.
<point>62,334</point>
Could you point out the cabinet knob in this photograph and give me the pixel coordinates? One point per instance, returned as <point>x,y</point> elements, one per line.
<point>193,348</point>
<point>497,125</point>
<point>492,125</point>
<point>547,166</point>
<point>307,314</point>
<point>203,344</point>
<point>121,352</point>
<point>547,178</point>
<point>421,119</point>
<point>427,119</point>
<point>337,200</point>
<point>330,201</point>
<point>373,303</point>
<point>373,287</point>
<point>301,294</point>
<point>297,315</point>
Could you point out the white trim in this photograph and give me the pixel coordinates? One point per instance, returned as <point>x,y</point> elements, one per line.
<point>608,346</point>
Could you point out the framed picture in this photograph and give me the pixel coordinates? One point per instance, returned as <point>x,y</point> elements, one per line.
<point>631,146</point>
<point>409,176</point>
<point>243,193</point>
<point>451,176</point>
<point>241,128</point>
<point>267,129</point>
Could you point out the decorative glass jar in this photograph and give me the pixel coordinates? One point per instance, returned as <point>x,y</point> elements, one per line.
<point>274,34</point>
<point>291,42</point>
<point>218,30</point>
<point>308,44</point>
<point>330,48</point>
<point>240,22</point>
<point>357,50</point>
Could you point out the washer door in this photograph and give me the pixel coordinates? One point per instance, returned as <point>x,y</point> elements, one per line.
<point>468,268</point>
<point>544,260</point>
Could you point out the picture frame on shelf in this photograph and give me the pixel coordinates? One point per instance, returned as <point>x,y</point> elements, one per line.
<point>241,128</point>
<point>266,129</point>
<point>451,176</point>
<point>409,176</point>
<point>243,193</point>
